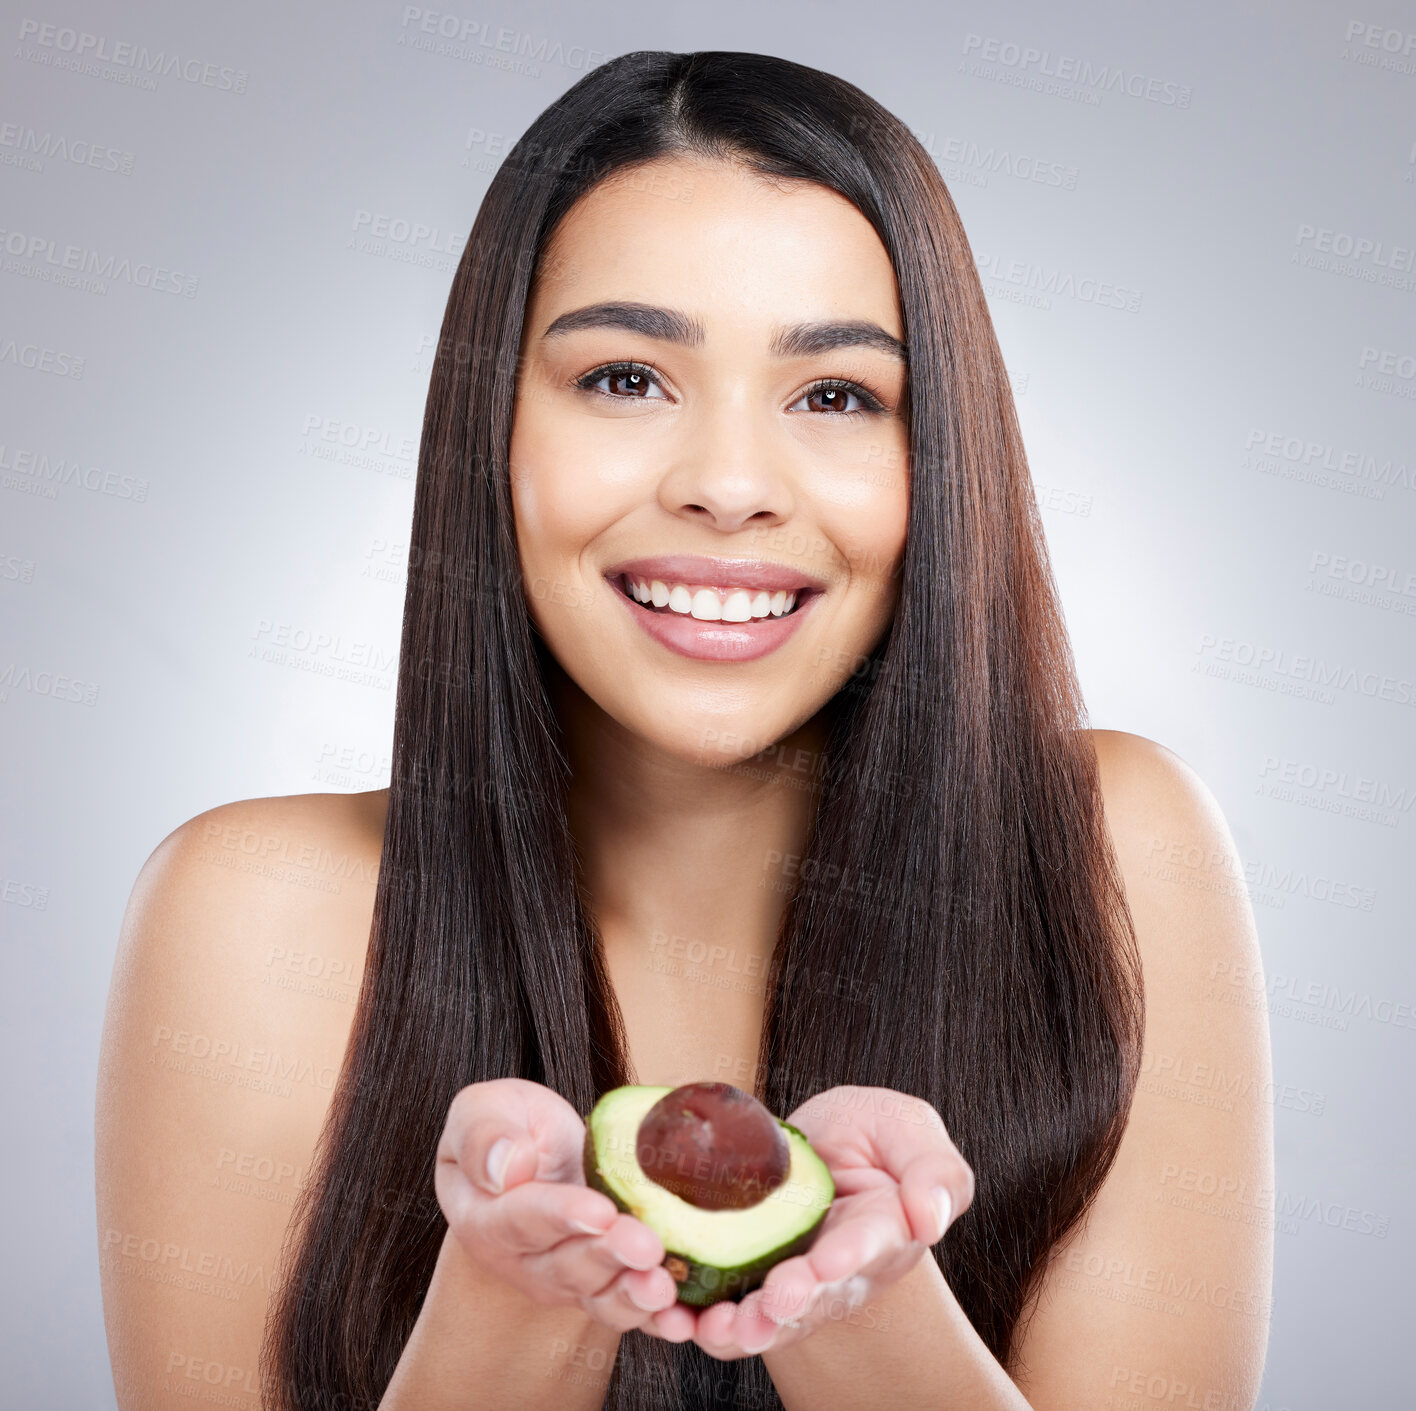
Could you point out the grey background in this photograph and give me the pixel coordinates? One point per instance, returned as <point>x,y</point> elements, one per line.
<point>204,523</point>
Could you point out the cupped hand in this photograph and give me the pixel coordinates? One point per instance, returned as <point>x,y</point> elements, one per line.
<point>510,1181</point>
<point>891,1159</point>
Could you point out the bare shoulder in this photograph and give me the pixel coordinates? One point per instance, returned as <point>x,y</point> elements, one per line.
<point>1170,1274</point>
<point>233,989</point>
<point>1143,782</point>
<point>1184,880</point>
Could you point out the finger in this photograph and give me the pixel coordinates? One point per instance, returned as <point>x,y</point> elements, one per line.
<point>852,1245</point>
<point>935,1189</point>
<point>785,1296</point>
<point>508,1130</point>
<point>910,1143</point>
<point>677,1323</point>
<point>632,1299</point>
<point>586,1266</point>
<point>716,1332</point>
<point>754,1332</point>
<point>539,1216</point>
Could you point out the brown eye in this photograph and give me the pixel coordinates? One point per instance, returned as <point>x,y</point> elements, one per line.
<point>626,382</point>
<point>634,383</point>
<point>834,398</point>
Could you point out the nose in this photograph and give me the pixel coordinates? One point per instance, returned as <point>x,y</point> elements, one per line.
<point>728,477</point>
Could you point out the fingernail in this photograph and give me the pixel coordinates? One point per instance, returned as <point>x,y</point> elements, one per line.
<point>625,1259</point>
<point>590,1229</point>
<point>634,1299</point>
<point>498,1159</point>
<point>780,1316</point>
<point>747,1345</point>
<point>943,1208</point>
<point>851,1291</point>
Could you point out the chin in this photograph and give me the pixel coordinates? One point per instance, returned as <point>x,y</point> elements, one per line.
<point>713,741</point>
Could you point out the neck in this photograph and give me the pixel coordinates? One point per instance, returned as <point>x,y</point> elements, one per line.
<point>679,853</point>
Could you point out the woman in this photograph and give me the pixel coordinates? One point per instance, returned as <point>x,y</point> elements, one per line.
<point>729,636</point>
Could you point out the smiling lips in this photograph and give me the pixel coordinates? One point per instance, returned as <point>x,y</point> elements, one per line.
<point>708,604</point>
<point>715,609</point>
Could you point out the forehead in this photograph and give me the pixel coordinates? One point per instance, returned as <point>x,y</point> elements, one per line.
<point>713,237</point>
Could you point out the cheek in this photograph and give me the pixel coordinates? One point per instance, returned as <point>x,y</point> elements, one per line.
<point>561,498</point>
<point>869,525</point>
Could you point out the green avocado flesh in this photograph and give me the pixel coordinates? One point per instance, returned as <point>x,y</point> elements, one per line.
<point>712,1254</point>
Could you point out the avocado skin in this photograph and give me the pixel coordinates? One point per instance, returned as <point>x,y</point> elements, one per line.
<point>705,1284</point>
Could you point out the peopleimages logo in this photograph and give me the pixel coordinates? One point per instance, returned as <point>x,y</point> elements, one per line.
<point>1379,46</point>
<point>44,257</point>
<point>476,41</point>
<point>1357,247</point>
<point>46,472</point>
<point>54,361</point>
<point>76,49</point>
<point>17,676</point>
<point>1324,463</point>
<point>1105,78</point>
<point>1254,664</point>
<point>1044,282</point>
<point>1347,787</point>
<point>24,146</point>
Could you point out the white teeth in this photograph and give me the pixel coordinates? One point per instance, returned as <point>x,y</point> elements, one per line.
<point>707,604</point>
<point>738,607</point>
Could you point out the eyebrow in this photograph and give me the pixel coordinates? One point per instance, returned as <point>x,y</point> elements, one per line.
<point>798,340</point>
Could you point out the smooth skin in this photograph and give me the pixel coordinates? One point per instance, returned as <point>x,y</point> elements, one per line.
<point>725,451</point>
<point>688,804</point>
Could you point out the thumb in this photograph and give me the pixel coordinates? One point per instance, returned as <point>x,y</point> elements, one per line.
<point>510,1161</point>
<point>508,1131</point>
<point>935,1189</point>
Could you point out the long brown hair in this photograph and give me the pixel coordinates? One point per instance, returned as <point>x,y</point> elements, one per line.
<point>958,859</point>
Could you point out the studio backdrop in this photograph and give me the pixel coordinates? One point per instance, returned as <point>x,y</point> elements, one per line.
<point>227,236</point>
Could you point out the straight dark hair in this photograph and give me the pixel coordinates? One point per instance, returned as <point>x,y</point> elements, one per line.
<point>958,863</point>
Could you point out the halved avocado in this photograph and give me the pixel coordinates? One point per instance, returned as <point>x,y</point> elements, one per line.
<point>712,1254</point>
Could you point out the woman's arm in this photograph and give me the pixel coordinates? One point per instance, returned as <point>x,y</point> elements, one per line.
<point>537,1277</point>
<point>1162,1297</point>
<point>908,1345</point>
<point>213,1083</point>
<point>200,1151</point>
<point>479,1342</point>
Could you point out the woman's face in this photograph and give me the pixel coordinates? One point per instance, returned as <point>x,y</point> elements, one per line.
<point>748,469</point>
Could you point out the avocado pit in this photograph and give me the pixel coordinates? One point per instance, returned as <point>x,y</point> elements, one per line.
<point>714,1146</point>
